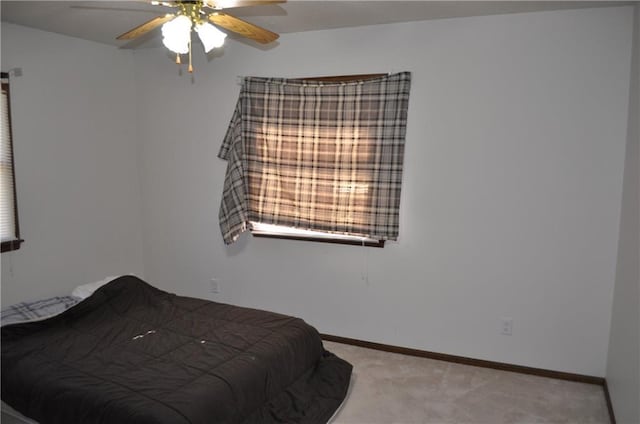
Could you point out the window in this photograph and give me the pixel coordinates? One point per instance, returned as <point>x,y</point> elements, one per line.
<point>317,159</point>
<point>8,208</point>
<point>260,229</point>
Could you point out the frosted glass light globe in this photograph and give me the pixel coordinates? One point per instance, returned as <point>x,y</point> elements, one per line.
<point>210,36</point>
<point>176,34</point>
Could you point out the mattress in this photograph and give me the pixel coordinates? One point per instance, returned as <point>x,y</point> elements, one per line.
<point>131,353</point>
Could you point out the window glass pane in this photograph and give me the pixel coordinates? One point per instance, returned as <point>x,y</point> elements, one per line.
<point>278,230</point>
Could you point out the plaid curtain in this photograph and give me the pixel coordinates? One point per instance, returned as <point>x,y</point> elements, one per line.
<point>324,156</point>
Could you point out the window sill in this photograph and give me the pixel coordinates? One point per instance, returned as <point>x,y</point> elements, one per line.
<point>8,246</point>
<point>374,243</point>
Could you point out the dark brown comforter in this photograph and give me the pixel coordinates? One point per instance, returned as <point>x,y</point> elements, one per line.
<point>131,353</point>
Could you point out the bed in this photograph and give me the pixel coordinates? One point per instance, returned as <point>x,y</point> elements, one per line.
<point>131,353</point>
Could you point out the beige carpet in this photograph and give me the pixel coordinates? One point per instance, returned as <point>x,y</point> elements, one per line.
<point>390,388</point>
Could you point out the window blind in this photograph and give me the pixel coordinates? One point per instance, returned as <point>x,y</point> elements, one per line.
<point>9,233</point>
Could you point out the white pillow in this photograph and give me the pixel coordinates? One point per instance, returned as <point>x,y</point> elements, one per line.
<point>87,290</point>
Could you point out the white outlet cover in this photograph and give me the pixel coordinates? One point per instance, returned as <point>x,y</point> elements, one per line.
<point>506,326</point>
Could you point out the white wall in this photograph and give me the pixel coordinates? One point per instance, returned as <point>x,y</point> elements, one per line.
<point>75,151</point>
<point>623,362</point>
<point>511,197</point>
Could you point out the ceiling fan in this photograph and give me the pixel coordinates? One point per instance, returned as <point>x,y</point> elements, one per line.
<point>201,16</point>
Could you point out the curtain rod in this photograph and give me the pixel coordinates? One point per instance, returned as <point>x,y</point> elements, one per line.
<point>336,78</point>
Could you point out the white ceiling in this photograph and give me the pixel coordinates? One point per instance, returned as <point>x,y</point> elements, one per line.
<point>102,21</point>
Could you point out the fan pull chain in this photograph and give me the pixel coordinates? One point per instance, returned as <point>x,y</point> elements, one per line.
<point>190,66</point>
<point>178,59</point>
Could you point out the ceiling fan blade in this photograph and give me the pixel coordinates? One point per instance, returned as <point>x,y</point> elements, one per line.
<point>243,28</point>
<point>145,27</point>
<point>112,9</point>
<point>228,4</point>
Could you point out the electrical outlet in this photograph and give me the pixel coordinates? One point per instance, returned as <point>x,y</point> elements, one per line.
<point>215,285</point>
<point>506,326</point>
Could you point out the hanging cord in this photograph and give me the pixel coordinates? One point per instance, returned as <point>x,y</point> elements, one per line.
<point>365,270</point>
<point>10,261</point>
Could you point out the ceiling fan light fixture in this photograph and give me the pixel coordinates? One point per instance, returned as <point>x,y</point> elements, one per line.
<point>210,36</point>
<point>193,15</point>
<point>176,34</point>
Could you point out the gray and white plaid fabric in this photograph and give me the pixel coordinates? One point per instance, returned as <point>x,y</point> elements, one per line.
<point>27,311</point>
<point>325,156</point>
